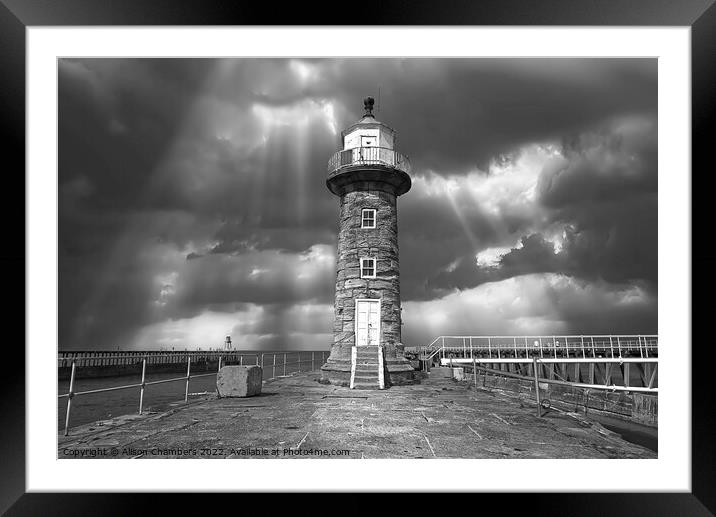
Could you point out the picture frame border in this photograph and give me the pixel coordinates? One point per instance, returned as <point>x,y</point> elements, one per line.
<point>699,15</point>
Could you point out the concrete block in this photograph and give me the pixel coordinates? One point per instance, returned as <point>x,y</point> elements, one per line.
<point>441,371</point>
<point>458,374</point>
<point>239,381</point>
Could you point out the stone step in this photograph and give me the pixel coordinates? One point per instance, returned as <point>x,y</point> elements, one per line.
<point>367,367</point>
<point>365,378</point>
<point>366,386</point>
<point>367,373</point>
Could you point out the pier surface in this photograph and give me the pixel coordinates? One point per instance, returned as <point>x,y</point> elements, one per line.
<point>299,418</point>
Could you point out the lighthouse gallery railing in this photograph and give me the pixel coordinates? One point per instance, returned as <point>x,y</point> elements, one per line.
<point>369,156</point>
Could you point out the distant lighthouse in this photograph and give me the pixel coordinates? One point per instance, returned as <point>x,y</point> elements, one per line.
<point>368,175</point>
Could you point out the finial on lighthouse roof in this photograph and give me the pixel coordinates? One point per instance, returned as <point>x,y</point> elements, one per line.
<point>368,103</point>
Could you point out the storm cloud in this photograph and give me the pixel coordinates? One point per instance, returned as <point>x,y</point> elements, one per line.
<point>192,198</point>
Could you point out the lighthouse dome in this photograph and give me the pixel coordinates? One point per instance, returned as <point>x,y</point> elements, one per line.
<point>368,131</point>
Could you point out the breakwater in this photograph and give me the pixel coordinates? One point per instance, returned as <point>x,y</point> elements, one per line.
<point>642,408</point>
<point>99,364</point>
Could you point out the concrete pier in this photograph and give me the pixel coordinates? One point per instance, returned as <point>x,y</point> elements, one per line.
<point>298,417</point>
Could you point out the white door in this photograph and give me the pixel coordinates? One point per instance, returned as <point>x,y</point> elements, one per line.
<point>367,322</point>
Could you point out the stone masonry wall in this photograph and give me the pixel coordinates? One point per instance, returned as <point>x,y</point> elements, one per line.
<point>355,243</point>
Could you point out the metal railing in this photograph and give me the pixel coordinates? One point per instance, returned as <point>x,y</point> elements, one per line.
<point>608,377</point>
<point>498,347</point>
<point>120,358</point>
<point>85,359</point>
<point>537,366</point>
<point>369,156</point>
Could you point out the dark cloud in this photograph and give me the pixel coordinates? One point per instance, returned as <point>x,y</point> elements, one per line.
<point>197,187</point>
<point>599,194</point>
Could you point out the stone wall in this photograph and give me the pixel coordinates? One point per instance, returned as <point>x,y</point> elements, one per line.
<point>367,188</point>
<point>642,408</point>
<point>355,243</point>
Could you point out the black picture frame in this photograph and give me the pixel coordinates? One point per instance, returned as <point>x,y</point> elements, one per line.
<point>17,15</point>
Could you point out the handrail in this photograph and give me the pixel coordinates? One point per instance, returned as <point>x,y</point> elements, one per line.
<point>429,349</point>
<point>526,346</point>
<point>550,336</point>
<point>368,156</point>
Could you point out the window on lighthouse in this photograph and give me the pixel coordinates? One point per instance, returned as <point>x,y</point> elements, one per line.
<point>368,141</point>
<point>368,218</point>
<point>367,268</point>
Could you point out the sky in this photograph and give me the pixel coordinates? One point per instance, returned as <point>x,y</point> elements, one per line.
<point>193,204</point>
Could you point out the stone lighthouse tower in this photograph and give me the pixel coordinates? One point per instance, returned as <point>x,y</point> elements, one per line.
<point>368,175</point>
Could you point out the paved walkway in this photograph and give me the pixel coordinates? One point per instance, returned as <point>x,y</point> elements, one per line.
<point>296,417</point>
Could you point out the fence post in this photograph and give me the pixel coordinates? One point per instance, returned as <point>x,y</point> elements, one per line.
<point>554,346</point>
<point>188,371</point>
<point>539,404</point>
<point>641,352</point>
<point>313,365</point>
<point>219,368</point>
<point>70,394</point>
<point>284,364</point>
<point>474,371</point>
<point>141,387</point>
<point>653,375</point>
<point>611,346</point>
<point>273,367</point>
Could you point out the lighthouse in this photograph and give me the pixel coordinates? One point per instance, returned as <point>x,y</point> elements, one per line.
<point>368,175</point>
